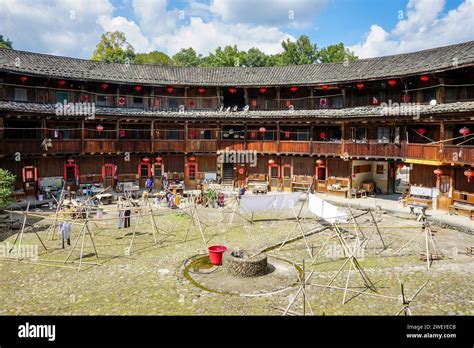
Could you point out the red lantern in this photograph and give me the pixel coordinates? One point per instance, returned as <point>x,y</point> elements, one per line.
<point>262,90</point>
<point>468,173</point>
<point>191,103</point>
<point>322,135</point>
<point>323,102</point>
<point>360,86</point>
<point>253,135</point>
<point>271,162</point>
<point>145,160</point>
<point>23,79</point>
<point>201,90</point>
<point>241,171</point>
<point>422,131</point>
<point>85,98</point>
<point>324,87</point>
<point>319,163</point>
<point>99,128</point>
<point>121,133</point>
<point>192,133</point>
<point>464,131</point>
<point>169,90</point>
<point>158,159</point>
<point>104,86</point>
<point>406,98</point>
<point>424,78</point>
<point>61,82</point>
<point>121,101</point>
<point>287,134</point>
<point>138,88</point>
<point>438,172</point>
<point>391,83</point>
<point>192,159</point>
<point>294,89</point>
<point>70,161</point>
<point>262,130</point>
<point>232,90</point>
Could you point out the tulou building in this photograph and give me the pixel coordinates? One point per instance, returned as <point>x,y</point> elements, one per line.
<point>390,121</point>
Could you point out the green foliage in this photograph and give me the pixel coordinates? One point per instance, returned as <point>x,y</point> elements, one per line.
<point>336,53</point>
<point>7,180</point>
<point>5,43</point>
<point>300,52</point>
<point>229,56</point>
<point>187,57</point>
<point>114,48</point>
<point>255,57</point>
<point>154,57</point>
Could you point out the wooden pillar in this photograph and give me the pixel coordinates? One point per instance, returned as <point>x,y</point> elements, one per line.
<point>185,137</point>
<point>186,97</point>
<point>152,137</point>
<point>343,135</point>
<point>311,131</point>
<point>278,98</point>
<point>278,137</point>
<point>344,101</point>
<point>83,121</point>
<point>440,91</point>
<point>311,99</point>
<point>246,96</point>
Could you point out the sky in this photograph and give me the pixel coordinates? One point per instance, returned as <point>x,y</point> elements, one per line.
<point>370,28</point>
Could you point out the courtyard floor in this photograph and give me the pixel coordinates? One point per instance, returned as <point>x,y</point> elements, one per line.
<point>149,279</point>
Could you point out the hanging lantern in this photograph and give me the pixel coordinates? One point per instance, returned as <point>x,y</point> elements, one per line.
<point>192,159</point>
<point>85,98</point>
<point>253,135</point>
<point>262,90</point>
<point>406,98</point>
<point>360,86</point>
<point>61,82</point>
<point>231,131</point>
<point>464,131</point>
<point>138,88</point>
<point>262,130</point>
<point>424,78</point>
<point>145,160</point>
<point>287,134</point>
<point>70,161</point>
<point>232,90</point>
<point>468,174</point>
<point>241,171</point>
<point>322,135</point>
<point>23,79</point>
<point>319,163</point>
<point>225,135</point>
<point>122,133</point>
<point>422,131</point>
<point>391,83</point>
<point>121,101</point>
<point>158,159</point>
<point>293,89</point>
<point>201,90</point>
<point>191,103</point>
<point>99,128</point>
<point>271,162</point>
<point>324,87</point>
<point>169,90</point>
<point>104,86</point>
<point>192,133</point>
<point>323,102</point>
<point>438,172</point>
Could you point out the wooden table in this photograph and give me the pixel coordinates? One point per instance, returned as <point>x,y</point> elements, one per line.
<point>418,209</point>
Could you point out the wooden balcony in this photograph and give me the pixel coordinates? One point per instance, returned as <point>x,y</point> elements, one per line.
<point>295,147</point>
<point>458,154</point>
<point>326,148</point>
<point>232,145</point>
<point>66,146</point>
<point>374,149</point>
<point>201,146</point>
<point>100,146</point>
<point>24,147</point>
<point>169,145</point>
<point>128,145</point>
<point>263,146</point>
<point>423,152</point>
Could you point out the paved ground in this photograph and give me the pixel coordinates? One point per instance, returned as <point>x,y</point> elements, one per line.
<point>149,279</point>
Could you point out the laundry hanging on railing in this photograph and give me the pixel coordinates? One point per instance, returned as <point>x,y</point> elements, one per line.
<point>251,204</point>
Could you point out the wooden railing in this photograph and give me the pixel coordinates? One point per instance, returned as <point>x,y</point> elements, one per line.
<point>66,146</point>
<point>232,145</point>
<point>24,147</point>
<point>458,154</point>
<point>143,145</point>
<point>374,149</point>
<point>201,146</point>
<point>326,148</point>
<point>423,151</point>
<point>169,145</point>
<point>263,146</point>
<point>98,146</point>
<point>294,147</point>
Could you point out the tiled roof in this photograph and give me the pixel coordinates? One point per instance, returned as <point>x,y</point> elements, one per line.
<point>355,112</point>
<point>432,60</point>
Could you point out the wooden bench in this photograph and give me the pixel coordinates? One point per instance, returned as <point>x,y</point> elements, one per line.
<point>462,208</point>
<point>301,182</point>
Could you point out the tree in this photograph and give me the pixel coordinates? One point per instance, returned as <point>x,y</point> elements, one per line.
<point>336,53</point>
<point>5,43</point>
<point>300,52</point>
<point>154,57</point>
<point>114,47</point>
<point>7,180</point>
<point>187,57</point>
<point>229,56</point>
<point>255,57</point>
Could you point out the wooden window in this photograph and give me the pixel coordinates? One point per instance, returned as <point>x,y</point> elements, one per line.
<point>380,169</point>
<point>383,135</point>
<point>21,94</point>
<point>62,96</point>
<point>358,134</point>
<point>101,100</point>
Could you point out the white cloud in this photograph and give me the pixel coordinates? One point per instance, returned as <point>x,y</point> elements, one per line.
<point>424,27</point>
<point>153,17</point>
<point>205,37</point>
<point>66,27</point>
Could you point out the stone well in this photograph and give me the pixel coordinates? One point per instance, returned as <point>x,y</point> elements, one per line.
<point>240,264</point>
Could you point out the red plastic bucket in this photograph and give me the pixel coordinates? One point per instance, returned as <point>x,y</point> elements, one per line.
<point>215,254</point>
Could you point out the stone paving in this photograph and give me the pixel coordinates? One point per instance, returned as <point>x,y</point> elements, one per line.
<point>149,280</point>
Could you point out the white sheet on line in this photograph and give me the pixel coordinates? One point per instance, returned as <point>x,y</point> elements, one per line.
<point>251,204</point>
<point>325,210</point>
